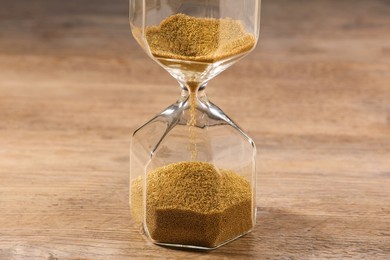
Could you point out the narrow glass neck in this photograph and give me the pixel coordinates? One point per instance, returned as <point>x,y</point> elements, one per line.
<point>200,92</point>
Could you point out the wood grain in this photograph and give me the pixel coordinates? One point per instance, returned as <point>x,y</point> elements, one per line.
<point>315,96</point>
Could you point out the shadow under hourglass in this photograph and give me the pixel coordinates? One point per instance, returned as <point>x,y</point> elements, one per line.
<point>282,233</point>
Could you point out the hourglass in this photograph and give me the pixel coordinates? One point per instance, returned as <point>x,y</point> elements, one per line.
<point>192,169</point>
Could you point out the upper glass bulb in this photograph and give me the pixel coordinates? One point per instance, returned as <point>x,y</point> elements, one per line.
<point>195,40</point>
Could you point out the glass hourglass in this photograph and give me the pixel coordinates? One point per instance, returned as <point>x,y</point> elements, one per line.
<point>192,169</point>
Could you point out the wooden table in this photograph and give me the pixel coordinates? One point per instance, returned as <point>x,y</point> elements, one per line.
<point>315,96</point>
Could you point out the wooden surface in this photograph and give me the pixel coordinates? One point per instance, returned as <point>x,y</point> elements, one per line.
<point>315,97</point>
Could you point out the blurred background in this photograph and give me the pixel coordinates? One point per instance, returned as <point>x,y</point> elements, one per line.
<point>314,96</point>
